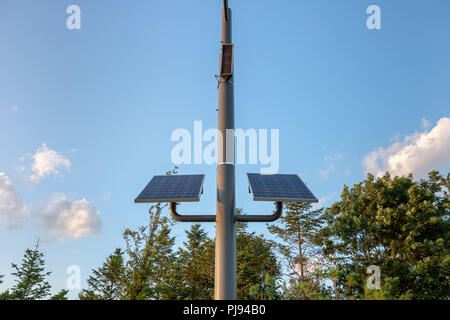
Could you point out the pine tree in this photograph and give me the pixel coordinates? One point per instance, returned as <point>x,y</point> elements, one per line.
<point>106,282</point>
<point>4,295</point>
<point>61,295</point>
<point>149,257</point>
<point>298,229</point>
<point>195,266</point>
<point>149,269</point>
<point>31,277</point>
<point>162,256</point>
<point>258,271</point>
<point>143,269</point>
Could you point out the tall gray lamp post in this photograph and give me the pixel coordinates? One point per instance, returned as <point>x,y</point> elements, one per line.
<point>188,188</point>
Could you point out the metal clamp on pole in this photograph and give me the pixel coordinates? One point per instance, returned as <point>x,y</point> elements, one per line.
<point>262,218</point>
<point>183,218</point>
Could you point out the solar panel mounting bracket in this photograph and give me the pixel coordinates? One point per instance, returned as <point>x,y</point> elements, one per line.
<point>189,218</point>
<point>262,218</point>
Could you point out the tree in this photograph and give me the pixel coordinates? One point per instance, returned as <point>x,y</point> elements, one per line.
<point>31,277</point>
<point>144,269</point>
<point>149,258</point>
<point>149,269</point>
<point>141,271</point>
<point>61,295</point>
<point>106,282</point>
<point>6,294</point>
<point>195,266</point>
<point>298,229</point>
<point>398,224</point>
<point>258,271</point>
<point>257,267</point>
<point>159,247</point>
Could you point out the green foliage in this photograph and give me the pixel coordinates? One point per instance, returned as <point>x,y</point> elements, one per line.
<point>398,224</point>
<point>149,269</point>
<point>387,291</point>
<point>298,229</point>
<point>194,273</point>
<point>6,295</point>
<point>106,282</point>
<point>3,295</point>
<point>142,270</point>
<point>150,257</point>
<point>61,295</point>
<point>258,270</point>
<point>31,277</point>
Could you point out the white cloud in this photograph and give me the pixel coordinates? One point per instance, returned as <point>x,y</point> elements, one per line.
<point>418,153</point>
<point>65,218</point>
<point>425,124</point>
<point>325,173</point>
<point>338,156</point>
<point>331,159</point>
<point>323,201</point>
<point>15,109</point>
<point>47,161</point>
<point>13,212</point>
<point>105,197</point>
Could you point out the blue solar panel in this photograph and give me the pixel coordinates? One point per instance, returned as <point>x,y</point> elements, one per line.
<point>279,188</point>
<point>177,188</point>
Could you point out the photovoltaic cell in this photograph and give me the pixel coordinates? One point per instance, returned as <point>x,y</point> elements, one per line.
<point>279,188</point>
<point>176,188</point>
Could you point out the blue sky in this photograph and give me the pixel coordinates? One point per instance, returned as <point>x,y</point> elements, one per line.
<point>106,99</point>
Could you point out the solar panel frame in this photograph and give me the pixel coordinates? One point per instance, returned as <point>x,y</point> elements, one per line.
<point>149,189</point>
<point>285,198</point>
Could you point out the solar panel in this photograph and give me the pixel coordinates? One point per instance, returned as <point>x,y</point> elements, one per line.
<point>176,188</point>
<point>279,188</point>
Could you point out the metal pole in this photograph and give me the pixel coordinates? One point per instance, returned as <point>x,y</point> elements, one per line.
<point>225,268</point>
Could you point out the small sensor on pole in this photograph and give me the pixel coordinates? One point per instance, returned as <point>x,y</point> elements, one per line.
<point>226,67</point>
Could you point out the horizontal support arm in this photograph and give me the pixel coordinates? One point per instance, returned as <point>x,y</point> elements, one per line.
<point>262,218</point>
<point>183,218</point>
